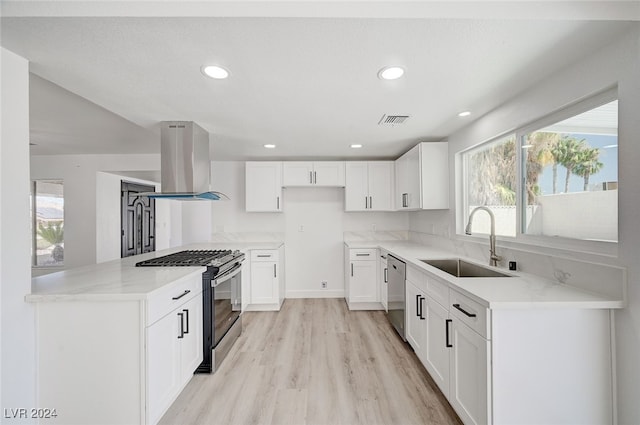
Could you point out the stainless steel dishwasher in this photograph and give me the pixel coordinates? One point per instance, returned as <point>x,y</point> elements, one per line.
<point>395,294</point>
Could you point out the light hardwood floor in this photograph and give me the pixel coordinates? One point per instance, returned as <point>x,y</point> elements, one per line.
<point>315,362</point>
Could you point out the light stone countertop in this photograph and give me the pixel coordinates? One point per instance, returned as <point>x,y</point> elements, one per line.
<point>520,291</point>
<point>120,279</point>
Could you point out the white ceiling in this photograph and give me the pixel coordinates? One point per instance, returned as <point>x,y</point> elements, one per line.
<point>308,85</point>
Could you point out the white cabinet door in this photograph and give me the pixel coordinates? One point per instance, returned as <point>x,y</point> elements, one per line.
<point>470,371</point>
<point>191,343</point>
<point>412,181</point>
<point>163,364</point>
<point>381,185</point>
<point>328,173</point>
<point>436,351</point>
<point>363,282</point>
<point>264,282</point>
<point>416,330</point>
<point>295,173</point>
<point>434,170</point>
<point>383,278</point>
<point>263,186</point>
<point>356,191</point>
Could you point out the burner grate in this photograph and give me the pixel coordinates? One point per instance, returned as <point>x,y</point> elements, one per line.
<point>186,258</point>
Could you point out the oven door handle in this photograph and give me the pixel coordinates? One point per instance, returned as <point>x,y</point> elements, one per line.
<point>232,272</point>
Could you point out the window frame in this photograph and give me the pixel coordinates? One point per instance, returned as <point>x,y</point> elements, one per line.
<point>587,103</point>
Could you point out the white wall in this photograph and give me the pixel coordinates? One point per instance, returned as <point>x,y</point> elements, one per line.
<point>313,254</point>
<point>618,64</point>
<point>17,318</point>
<point>79,173</point>
<point>108,216</point>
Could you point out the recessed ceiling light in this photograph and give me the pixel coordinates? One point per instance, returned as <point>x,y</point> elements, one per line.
<point>464,114</point>
<point>356,146</point>
<point>391,73</point>
<point>215,72</point>
<point>270,146</point>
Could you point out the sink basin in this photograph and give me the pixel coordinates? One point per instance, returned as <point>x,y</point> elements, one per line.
<point>460,268</point>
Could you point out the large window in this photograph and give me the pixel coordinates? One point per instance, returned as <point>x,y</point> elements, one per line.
<point>557,177</point>
<point>47,217</point>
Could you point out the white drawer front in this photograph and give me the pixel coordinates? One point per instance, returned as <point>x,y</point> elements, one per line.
<point>469,312</point>
<point>258,255</point>
<point>363,254</point>
<point>438,290</point>
<point>417,277</point>
<point>168,299</point>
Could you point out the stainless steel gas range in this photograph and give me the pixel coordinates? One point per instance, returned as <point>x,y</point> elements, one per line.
<point>221,298</point>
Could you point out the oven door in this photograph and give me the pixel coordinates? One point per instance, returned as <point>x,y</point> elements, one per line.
<point>227,301</point>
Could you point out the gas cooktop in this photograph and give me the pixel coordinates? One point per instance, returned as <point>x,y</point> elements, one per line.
<point>192,258</point>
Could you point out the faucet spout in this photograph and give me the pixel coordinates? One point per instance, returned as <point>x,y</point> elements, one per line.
<point>493,258</point>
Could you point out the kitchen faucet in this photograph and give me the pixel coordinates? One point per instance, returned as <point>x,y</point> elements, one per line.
<point>493,260</point>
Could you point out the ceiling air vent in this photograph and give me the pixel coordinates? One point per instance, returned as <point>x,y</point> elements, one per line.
<point>393,119</point>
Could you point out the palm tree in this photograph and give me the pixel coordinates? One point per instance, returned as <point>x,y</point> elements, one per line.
<point>566,152</point>
<point>587,164</point>
<point>54,234</point>
<point>538,155</point>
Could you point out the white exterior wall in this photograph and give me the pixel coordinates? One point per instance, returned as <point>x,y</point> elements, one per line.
<point>619,63</point>
<point>17,318</point>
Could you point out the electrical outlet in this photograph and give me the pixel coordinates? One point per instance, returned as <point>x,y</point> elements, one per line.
<point>323,284</point>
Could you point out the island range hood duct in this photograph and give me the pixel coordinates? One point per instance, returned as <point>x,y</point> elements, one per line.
<point>185,166</point>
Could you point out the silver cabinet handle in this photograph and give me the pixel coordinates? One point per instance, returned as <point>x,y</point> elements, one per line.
<point>274,271</point>
<point>386,278</point>
<point>264,256</point>
<point>370,202</point>
<point>362,255</point>
<point>277,202</point>
<point>315,177</point>
<point>310,177</point>
<point>351,269</point>
<point>365,203</point>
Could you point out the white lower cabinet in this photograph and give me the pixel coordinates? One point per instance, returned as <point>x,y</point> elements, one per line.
<point>509,366</point>
<point>415,329</point>
<point>119,361</point>
<point>361,279</point>
<point>383,278</point>
<point>469,368</point>
<point>266,279</point>
<point>174,351</point>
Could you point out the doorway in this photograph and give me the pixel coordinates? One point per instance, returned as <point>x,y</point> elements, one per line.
<point>138,224</point>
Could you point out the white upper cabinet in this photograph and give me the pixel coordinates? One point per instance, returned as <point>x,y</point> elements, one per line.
<point>422,177</point>
<point>263,186</point>
<point>322,173</point>
<point>369,186</point>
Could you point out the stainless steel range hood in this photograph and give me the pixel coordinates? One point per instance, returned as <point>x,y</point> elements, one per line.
<point>185,165</point>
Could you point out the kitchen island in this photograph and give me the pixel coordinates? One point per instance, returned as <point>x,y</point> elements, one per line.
<point>504,350</point>
<point>117,343</point>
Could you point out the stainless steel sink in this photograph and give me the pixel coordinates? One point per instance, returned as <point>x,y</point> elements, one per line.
<point>460,268</point>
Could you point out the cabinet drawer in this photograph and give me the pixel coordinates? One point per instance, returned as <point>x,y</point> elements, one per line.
<point>417,277</point>
<point>469,312</point>
<point>168,299</point>
<point>258,255</point>
<point>362,254</point>
<point>438,290</point>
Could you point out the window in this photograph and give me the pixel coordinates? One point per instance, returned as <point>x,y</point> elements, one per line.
<point>491,181</point>
<point>47,218</point>
<point>567,164</point>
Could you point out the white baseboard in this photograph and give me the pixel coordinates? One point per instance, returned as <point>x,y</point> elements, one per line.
<point>365,306</point>
<point>326,293</point>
